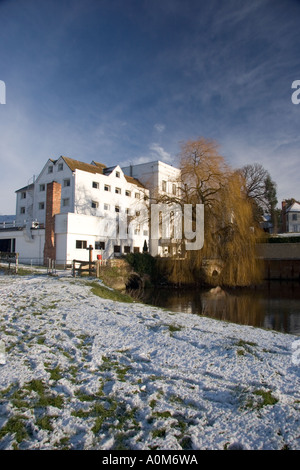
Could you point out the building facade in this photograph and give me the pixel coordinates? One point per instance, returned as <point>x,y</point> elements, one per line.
<point>290,217</point>
<point>73,206</point>
<point>162,180</point>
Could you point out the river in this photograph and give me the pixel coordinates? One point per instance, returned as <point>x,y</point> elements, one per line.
<point>275,305</point>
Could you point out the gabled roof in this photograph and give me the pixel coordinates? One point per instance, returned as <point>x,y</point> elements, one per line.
<point>97,168</point>
<point>25,188</point>
<point>99,165</point>
<point>89,167</point>
<point>295,207</point>
<point>135,181</point>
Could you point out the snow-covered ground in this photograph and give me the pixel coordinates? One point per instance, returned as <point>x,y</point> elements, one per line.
<point>81,372</point>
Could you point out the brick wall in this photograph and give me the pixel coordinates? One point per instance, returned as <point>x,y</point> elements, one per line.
<point>53,198</point>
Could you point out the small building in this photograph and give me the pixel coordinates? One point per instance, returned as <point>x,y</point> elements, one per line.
<point>290,216</point>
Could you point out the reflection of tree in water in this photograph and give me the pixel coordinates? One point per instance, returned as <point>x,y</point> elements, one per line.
<point>275,306</point>
<point>246,309</point>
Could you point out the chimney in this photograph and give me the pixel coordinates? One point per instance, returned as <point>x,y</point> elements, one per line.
<point>53,198</point>
<point>283,215</point>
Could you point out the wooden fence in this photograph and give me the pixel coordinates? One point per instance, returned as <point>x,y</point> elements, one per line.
<point>80,267</point>
<point>12,259</point>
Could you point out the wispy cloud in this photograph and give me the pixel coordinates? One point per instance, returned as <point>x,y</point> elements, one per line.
<point>125,84</point>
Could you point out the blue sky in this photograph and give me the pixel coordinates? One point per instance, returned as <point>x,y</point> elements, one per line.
<point>126,81</point>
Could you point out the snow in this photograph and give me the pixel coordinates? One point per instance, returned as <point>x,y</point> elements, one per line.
<point>81,372</point>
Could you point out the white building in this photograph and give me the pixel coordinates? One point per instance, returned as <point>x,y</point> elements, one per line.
<point>162,180</point>
<point>73,205</point>
<point>291,217</point>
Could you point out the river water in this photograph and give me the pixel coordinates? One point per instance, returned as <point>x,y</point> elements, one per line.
<point>275,305</point>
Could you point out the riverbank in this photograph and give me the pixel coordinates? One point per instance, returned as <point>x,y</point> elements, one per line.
<point>83,372</point>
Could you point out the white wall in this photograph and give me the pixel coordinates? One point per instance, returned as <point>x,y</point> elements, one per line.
<point>85,194</point>
<point>26,203</point>
<point>152,175</point>
<point>36,196</point>
<point>70,228</point>
<point>29,244</point>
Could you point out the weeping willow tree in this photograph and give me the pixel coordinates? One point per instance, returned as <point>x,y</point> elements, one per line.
<point>228,254</point>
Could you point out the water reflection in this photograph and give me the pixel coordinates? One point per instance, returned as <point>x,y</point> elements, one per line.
<point>274,305</point>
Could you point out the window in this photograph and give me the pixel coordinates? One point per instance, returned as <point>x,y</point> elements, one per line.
<point>126,249</point>
<point>60,167</point>
<point>145,233</point>
<point>174,189</point>
<point>22,210</point>
<point>23,195</point>
<point>136,249</point>
<point>42,187</point>
<point>95,204</point>
<point>118,190</point>
<point>81,244</point>
<point>164,185</point>
<point>41,205</point>
<point>106,187</point>
<point>95,185</point>
<point>117,174</point>
<point>137,195</point>
<point>294,216</point>
<point>117,249</point>
<point>99,245</point>
<point>117,208</point>
<point>67,183</point>
<point>137,213</point>
<point>50,169</point>
<point>66,202</point>
<point>106,207</point>
<point>127,193</point>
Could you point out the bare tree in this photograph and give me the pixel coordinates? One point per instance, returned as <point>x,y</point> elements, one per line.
<point>260,190</point>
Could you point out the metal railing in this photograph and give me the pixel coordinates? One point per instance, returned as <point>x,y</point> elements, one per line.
<point>12,259</point>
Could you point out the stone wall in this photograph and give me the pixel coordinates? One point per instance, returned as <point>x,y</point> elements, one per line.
<point>281,260</point>
<point>280,251</point>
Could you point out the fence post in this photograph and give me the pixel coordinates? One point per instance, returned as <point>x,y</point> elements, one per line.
<point>17,262</point>
<point>98,264</point>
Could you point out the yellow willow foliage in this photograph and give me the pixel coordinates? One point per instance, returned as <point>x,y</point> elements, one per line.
<point>238,237</point>
<point>229,228</point>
